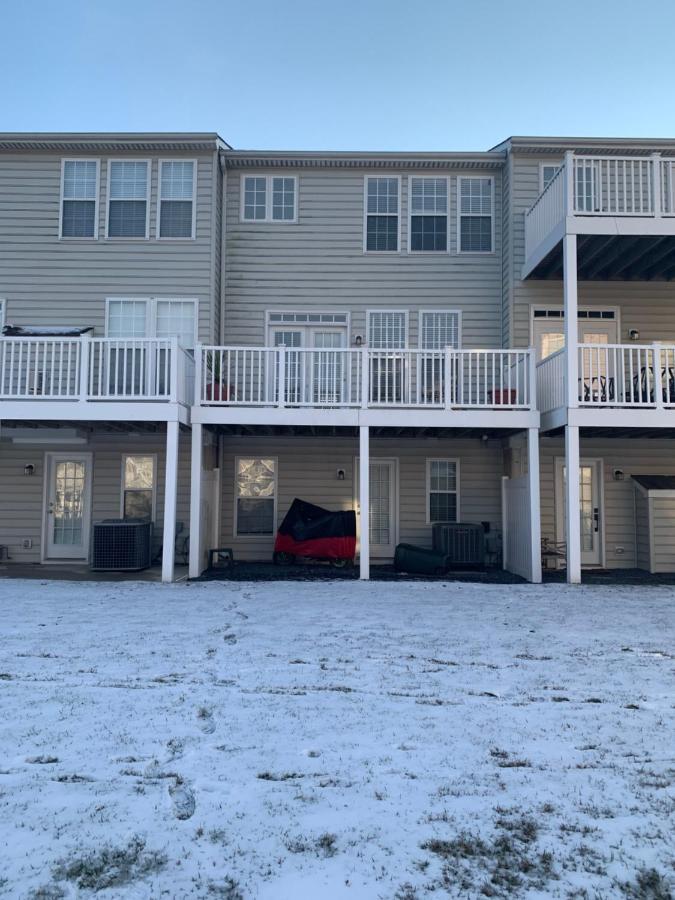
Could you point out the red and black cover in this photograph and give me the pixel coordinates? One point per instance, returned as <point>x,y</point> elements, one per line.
<point>309,530</point>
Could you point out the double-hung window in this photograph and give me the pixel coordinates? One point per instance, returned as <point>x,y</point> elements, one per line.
<point>476,214</point>
<point>79,198</point>
<point>442,490</point>
<point>128,198</point>
<point>138,487</point>
<point>255,496</point>
<point>176,217</point>
<point>547,173</point>
<point>382,214</point>
<point>269,198</point>
<point>428,214</point>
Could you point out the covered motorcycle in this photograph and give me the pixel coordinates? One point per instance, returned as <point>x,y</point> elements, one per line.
<point>309,530</point>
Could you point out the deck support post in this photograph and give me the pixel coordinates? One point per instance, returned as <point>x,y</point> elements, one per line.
<point>572,519</point>
<point>196,465</point>
<point>535,509</point>
<point>170,498</point>
<point>571,320</point>
<point>364,502</point>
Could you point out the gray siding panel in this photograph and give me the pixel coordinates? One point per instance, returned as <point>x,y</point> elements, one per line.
<point>319,262</point>
<point>47,281</point>
<point>307,469</point>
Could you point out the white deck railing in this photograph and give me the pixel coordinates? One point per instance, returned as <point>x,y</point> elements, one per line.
<point>344,378</point>
<point>88,369</point>
<point>621,186</point>
<point>551,381</point>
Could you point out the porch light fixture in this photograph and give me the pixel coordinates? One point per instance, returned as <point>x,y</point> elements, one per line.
<point>358,340</point>
<point>618,475</point>
<point>29,470</point>
<point>634,334</point>
<point>340,474</point>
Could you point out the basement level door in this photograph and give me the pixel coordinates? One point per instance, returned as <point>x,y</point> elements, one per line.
<point>383,525</point>
<point>590,512</point>
<point>68,507</point>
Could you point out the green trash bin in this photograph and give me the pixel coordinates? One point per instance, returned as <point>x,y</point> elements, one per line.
<point>420,561</point>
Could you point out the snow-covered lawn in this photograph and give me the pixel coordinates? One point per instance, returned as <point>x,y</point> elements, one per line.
<point>299,741</point>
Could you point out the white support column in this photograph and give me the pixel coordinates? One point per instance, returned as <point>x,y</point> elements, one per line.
<point>571,318</point>
<point>364,502</point>
<point>170,495</point>
<point>573,523</point>
<point>196,465</point>
<point>535,507</point>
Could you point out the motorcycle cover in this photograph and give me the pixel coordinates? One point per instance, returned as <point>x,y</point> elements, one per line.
<point>309,530</point>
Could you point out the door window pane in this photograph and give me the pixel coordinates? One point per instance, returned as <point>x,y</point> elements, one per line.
<point>69,497</point>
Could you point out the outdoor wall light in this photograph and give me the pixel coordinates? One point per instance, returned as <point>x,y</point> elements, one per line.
<point>634,334</point>
<point>29,470</point>
<point>618,475</point>
<point>340,474</point>
<point>358,340</point>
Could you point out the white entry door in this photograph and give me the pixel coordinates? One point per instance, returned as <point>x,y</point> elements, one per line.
<point>590,511</point>
<point>383,523</point>
<point>68,505</point>
<point>316,378</point>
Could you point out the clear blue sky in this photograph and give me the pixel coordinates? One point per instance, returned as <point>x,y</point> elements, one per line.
<point>348,74</point>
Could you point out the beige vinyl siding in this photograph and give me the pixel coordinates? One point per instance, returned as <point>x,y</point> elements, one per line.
<point>307,468</point>
<point>643,532</point>
<point>47,281</point>
<point>633,457</point>
<point>22,497</point>
<point>507,255</point>
<point>319,262</point>
<point>663,532</point>
<point>647,306</point>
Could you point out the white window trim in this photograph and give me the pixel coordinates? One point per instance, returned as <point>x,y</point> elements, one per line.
<point>558,163</point>
<point>193,233</point>
<point>154,482</point>
<point>449,459</point>
<point>3,313</point>
<point>268,220</point>
<point>276,326</point>
<point>461,252</point>
<point>456,312</point>
<point>581,308</point>
<point>365,216</point>
<point>148,164</point>
<point>406,314</point>
<point>411,214</point>
<point>235,523</point>
<point>151,313</point>
<point>94,236</point>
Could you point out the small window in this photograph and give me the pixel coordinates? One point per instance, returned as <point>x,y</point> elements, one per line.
<point>128,199</point>
<point>475,215</point>
<point>546,175</point>
<point>127,318</point>
<point>442,495</point>
<point>428,215</point>
<point>439,329</point>
<point>255,492</point>
<point>176,199</point>
<point>176,318</point>
<point>79,198</point>
<point>269,198</point>
<point>138,487</point>
<point>382,206</point>
<point>387,330</point>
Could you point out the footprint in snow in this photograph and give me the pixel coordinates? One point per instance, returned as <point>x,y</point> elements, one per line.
<point>206,723</point>
<point>182,800</point>
<point>42,760</point>
<point>230,638</point>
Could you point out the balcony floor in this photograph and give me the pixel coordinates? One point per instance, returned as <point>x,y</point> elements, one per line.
<point>618,257</point>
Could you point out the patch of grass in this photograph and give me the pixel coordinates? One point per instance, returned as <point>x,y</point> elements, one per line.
<point>281,776</point>
<point>326,844</point>
<point>649,884</point>
<point>515,764</point>
<point>111,866</point>
<point>226,890</point>
<point>406,892</point>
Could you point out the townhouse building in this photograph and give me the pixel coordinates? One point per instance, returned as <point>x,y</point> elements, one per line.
<point>198,335</point>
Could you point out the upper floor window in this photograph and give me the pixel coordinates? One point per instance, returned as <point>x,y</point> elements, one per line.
<point>128,196</point>
<point>475,214</point>
<point>387,329</point>
<point>547,173</point>
<point>382,211</point>
<point>176,218</point>
<point>439,329</point>
<point>428,214</point>
<point>144,317</point>
<point>79,198</point>
<point>269,198</point>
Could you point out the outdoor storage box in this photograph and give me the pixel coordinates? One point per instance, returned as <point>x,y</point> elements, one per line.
<point>419,560</point>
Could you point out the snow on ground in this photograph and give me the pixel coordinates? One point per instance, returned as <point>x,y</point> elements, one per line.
<point>337,740</point>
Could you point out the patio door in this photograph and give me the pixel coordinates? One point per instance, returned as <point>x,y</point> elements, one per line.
<point>68,505</point>
<point>316,378</point>
<point>590,508</point>
<point>383,506</point>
